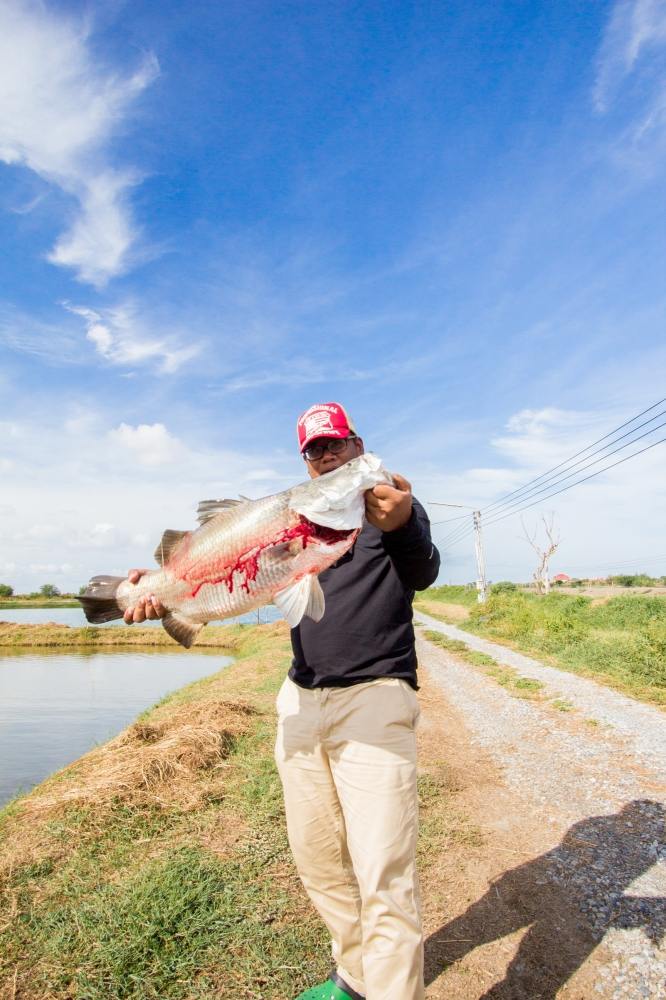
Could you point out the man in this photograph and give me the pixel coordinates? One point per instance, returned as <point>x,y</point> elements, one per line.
<point>346,744</point>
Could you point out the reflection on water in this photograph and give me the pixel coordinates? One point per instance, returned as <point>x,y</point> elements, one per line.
<point>75,617</point>
<point>54,706</point>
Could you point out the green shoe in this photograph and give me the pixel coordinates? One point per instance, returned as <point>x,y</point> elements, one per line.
<point>334,988</point>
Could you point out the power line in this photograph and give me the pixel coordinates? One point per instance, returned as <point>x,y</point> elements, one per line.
<point>458,535</point>
<point>506,506</point>
<point>548,480</point>
<point>584,480</point>
<point>559,478</point>
<point>460,517</point>
<point>625,562</point>
<point>521,489</point>
<point>589,465</point>
<point>447,543</point>
<point>643,560</point>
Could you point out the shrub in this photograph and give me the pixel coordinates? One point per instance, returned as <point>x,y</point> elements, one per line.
<point>624,638</point>
<point>504,586</point>
<point>630,612</point>
<point>452,594</point>
<point>634,580</point>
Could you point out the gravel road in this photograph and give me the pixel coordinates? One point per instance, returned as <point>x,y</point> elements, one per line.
<point>590,785</point>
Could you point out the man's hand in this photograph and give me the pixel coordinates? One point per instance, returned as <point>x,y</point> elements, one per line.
<point>389,507</point>
<point>146,607</point>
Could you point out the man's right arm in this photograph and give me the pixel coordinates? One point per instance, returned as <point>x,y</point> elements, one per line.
<point>147,607</point>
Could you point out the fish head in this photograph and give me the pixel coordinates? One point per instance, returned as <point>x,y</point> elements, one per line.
<point>336,500</point>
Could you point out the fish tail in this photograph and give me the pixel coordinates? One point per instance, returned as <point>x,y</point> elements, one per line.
<point>99,599</point>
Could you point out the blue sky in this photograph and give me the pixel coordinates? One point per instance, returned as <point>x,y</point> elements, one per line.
<point>449,216</point>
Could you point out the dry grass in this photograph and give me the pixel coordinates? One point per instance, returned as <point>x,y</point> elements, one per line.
<point>153,761</point>
<point>174,759</point>
<point>177,764</point>
<point>452,613</point>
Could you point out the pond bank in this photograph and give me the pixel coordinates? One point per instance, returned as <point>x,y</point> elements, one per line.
<point>14,635</point>
<point>7,603</point>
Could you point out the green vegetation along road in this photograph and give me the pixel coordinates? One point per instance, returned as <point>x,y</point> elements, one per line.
<point>620,641</point>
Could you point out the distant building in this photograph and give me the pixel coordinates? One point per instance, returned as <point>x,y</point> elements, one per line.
<point>561,578</point>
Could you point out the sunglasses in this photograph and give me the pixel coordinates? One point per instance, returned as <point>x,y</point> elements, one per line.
<point>336,446</point>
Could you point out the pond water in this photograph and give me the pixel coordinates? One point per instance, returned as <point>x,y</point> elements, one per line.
<point>56,706</point>
<point>76,617</point>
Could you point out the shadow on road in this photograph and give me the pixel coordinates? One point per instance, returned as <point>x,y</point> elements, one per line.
<point>568,898</point>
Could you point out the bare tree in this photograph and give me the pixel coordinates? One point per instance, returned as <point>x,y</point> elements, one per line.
<point>540,575</point>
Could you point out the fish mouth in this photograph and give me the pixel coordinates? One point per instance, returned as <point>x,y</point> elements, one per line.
<point>320,533</point>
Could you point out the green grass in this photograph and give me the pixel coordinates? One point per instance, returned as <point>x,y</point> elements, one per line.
<point>621,642</point>
<point>505,676</point>
<point>181,897</point>
<point>562,705</point>
<point>166,927</point>
<point>451,594</point>
<point>139,900</point>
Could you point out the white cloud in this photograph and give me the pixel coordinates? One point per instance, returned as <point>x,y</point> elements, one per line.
<point>98,497</point>
<point>43,531</point>
<point>121,337</point>
<point>55,569</point>
<point>299,374</point>
<point>636,29</point>
<point>58,110</point>
<point>538,439</point>
<point>150,444</point>
<point>30,335</point>
<point>82,418</point>
<point>98,242</point>
<point>631,65</point>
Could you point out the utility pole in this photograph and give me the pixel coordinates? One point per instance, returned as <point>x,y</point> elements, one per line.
<point>481,584</point>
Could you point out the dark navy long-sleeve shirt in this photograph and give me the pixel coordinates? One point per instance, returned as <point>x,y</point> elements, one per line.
<point>366,631</point>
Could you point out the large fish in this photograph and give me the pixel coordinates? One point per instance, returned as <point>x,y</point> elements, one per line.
<point>247,553</point>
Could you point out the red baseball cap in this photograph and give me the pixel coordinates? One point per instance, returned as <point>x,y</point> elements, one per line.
<point>323,420</point>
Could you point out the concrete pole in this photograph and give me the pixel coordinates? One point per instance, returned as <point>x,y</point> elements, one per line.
<point>481,585</point>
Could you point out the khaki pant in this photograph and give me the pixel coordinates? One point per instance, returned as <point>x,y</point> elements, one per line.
<point>347,759</point>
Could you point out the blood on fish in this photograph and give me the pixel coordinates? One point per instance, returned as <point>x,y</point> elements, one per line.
<point>248,564</point>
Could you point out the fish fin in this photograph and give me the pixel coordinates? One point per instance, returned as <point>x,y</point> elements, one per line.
<point>303,598</point>
<point>317,602</point>
<point>170,539</point>
<point>99,599</point>
<point>211,508</point>
<point>180,628</point>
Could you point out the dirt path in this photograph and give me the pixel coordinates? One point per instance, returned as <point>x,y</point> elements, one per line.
<point>564,892</point>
